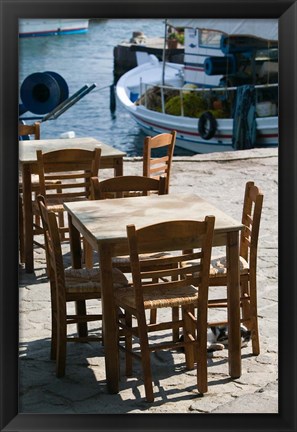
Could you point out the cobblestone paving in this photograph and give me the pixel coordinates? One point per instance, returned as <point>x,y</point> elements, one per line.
<point>221,179</point>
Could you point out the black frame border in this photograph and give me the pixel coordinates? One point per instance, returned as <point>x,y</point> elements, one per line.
<point>10,12</point>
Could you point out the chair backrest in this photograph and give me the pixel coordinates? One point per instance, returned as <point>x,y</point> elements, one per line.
<point>251,217</point>
<point>33,129</point>
<point>54,258</point>
<point>72,168</point>
<point>155,166</point>
<point>126,186</point>
<point>177,270</point>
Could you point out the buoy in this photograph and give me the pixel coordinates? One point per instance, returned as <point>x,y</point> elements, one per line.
<point>207,125</point>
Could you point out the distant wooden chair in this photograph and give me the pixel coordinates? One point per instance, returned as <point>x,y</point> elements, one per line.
<point>70,285</point>
<point>251,217</point>
<point>124,186</point>
<point>33,129</point>
<point>73,169</point>
<point>154,166</point>
<point>169,285</point>
<point>24,130</point>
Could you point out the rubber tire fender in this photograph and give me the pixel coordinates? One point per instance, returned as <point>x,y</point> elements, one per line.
<point>207,133</point>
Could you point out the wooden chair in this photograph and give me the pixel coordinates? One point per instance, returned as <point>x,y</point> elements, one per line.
<point>251,217</point>
<point>24,130</point>
<point>73,169</point>
<point>169,285</point>
<point>155,166</point>
<point>33,129</point>
<point>70,285</point>
<point>125,186</point>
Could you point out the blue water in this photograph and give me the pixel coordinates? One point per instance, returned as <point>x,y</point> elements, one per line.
<point>86,59</point>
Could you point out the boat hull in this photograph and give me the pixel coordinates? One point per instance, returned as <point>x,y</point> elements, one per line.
<point>188,138</point>
<point>154,122</point>
<point>50,27</point>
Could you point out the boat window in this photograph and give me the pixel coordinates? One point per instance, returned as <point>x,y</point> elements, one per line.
<point>209,38</point>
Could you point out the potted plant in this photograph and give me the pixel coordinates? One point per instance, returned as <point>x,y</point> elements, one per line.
<point>174,39</point>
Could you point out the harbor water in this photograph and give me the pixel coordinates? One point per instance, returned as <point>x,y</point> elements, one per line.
<point>86,59</point>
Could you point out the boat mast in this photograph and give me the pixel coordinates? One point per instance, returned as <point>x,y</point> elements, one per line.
<point>164,53</point>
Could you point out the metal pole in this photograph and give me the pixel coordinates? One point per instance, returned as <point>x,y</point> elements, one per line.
<point>164,53</point>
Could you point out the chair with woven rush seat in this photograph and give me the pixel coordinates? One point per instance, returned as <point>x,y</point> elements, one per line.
<point>73,168</point>
<point>25,130</point>
<point>154,166</point>
<point>168,285</point>
<point>68,285</point>
<point>251,217</point>
<point>34,131</point>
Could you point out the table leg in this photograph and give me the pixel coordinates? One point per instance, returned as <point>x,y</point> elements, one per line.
<point>109,321</point>
<point>233,295</point>
<point>28,218</point>
<point>75,247</point>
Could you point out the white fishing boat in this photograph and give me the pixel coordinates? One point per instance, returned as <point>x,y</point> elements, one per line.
<point>51,26</point>
<point>224,96</point>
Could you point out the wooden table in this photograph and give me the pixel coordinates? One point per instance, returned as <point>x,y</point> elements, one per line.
<point>103,224</point>
<point>110,158</point>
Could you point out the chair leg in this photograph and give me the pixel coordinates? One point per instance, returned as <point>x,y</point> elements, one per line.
<point>245,303</point>
<point>153,316</point>
<point>128,345</point>
<point>145,359</point>
<point>202,354</point>
<point>21,231</point>
<point>188,329</point>
<point>61,224</point>
<point>153,312</point>
<point>54,337</point>
<point>82,327</point>
<point>254,317</point>
<point>61,342</point>
<point>175,317</point>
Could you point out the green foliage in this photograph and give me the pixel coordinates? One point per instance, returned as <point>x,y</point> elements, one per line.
<point>194,105</point>
<point>180,37</point>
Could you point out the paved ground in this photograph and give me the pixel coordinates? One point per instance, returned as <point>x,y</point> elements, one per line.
<point>221,179</point>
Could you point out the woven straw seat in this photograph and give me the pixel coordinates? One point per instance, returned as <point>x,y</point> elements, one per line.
<point>218,266</point>
<point>89,280</point>
<point>159,298</point>
<point>123,261</point>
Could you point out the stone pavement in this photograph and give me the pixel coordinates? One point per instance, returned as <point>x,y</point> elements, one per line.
<point>220,178</point>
